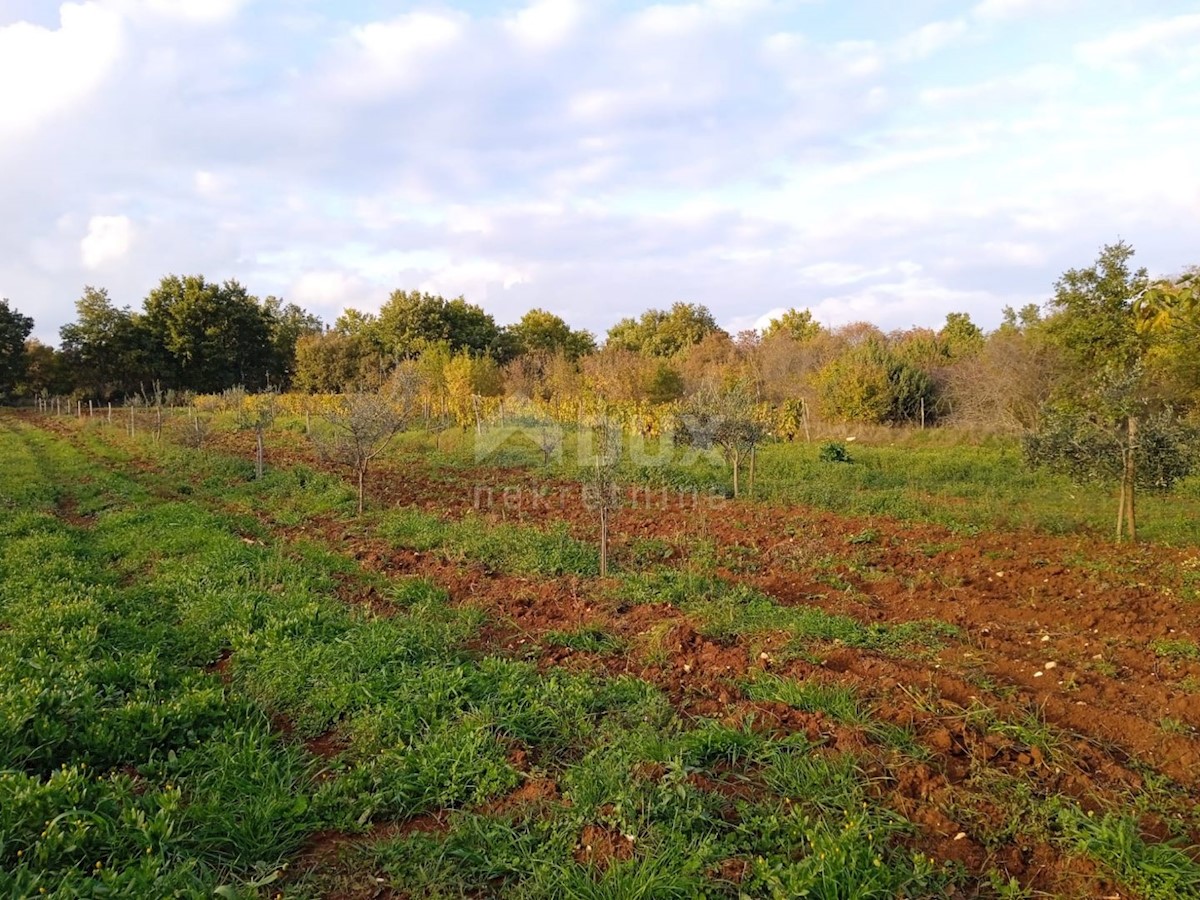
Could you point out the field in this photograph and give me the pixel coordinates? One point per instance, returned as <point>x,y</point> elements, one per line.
<point>923,674</point>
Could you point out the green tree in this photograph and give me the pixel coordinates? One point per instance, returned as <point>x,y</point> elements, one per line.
<point>960,336</point>
<point>14,329</point>
<point>412,321</point>
<point>1172,304</point>
<point>107,350</point>
<point>723,418</point>
<point>1094,324</point>
<point>798,324</point>
<point>1092,316</point>
<point>212,336</point>
<point>288,323</point>
<point>539,331</point>
<point>329,363</point>
<point>356,323</point>
<point>870,384</point>
<point>663,383</point>
<point>663,333</point>
<point>1169,315</point>
<point>1115,439</point>
<point>45,371</point>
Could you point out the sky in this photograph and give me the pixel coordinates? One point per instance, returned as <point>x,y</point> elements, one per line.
<point>868,159</point>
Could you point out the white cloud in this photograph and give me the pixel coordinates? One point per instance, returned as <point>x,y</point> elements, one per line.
<point>1001,10</point>
<point>394,54</point>
<point>545,24</point>
<point>1124,49</point>
<point>208,184</point>
<point>900,303</point>
<point>676,19</point>
<point>474,278</point>
<point>803,61</point>
<point>1017,253</point>
<point>330,290</point>
<point>551,152</point>
<point>202,12</point>
<point>1036,82</point>
<point>466,220</point>
<point>928,39</point>
<point>606,106</point>
<point>108,239</point>
<point>901,160</point>
<point>833,274</point>
<point>44,72</point>
<point>753,322</point>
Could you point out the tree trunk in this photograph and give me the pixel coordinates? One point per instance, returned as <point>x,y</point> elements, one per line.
<point>753,456</point>
<point>362,471</point>
<point>258,454</point>
<point>1131,479</point>
<point>603,539</point>
<point>736,457</point>
<point>1121,493</point>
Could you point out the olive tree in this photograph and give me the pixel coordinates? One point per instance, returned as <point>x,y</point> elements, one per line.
<point>602,491</point>
<point>723,418</point>
<point>362,425</point>
<point>1104,422</point>
<point>1121,444</point>
<point>256,413</point>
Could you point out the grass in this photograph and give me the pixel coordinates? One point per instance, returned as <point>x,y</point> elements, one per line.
<point>964,481</point>
<point>727,610</point>
<point>589,639</point>
<point>1156,871</point>
<point>1178,649</point>
<point>120,746</point>
<point>124,768</point>
<point>519,550</point>
<point>169,783</point>
<point>677,835</point>
<point>840,702</point>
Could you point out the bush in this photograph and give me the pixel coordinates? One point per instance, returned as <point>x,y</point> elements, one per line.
<point>834,452</point>
<point>872,385</point>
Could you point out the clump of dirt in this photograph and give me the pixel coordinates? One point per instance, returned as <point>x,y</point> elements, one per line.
<point>67,509</point>
<point>534,791</point>
<point>600,845</point>
<point>221,665</point>
<point>329,745</point>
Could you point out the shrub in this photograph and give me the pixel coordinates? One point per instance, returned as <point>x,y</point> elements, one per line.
<point>834,452</point>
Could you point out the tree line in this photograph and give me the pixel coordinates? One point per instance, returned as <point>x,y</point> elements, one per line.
<point>193,335</point>
<point>1102,381</point>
